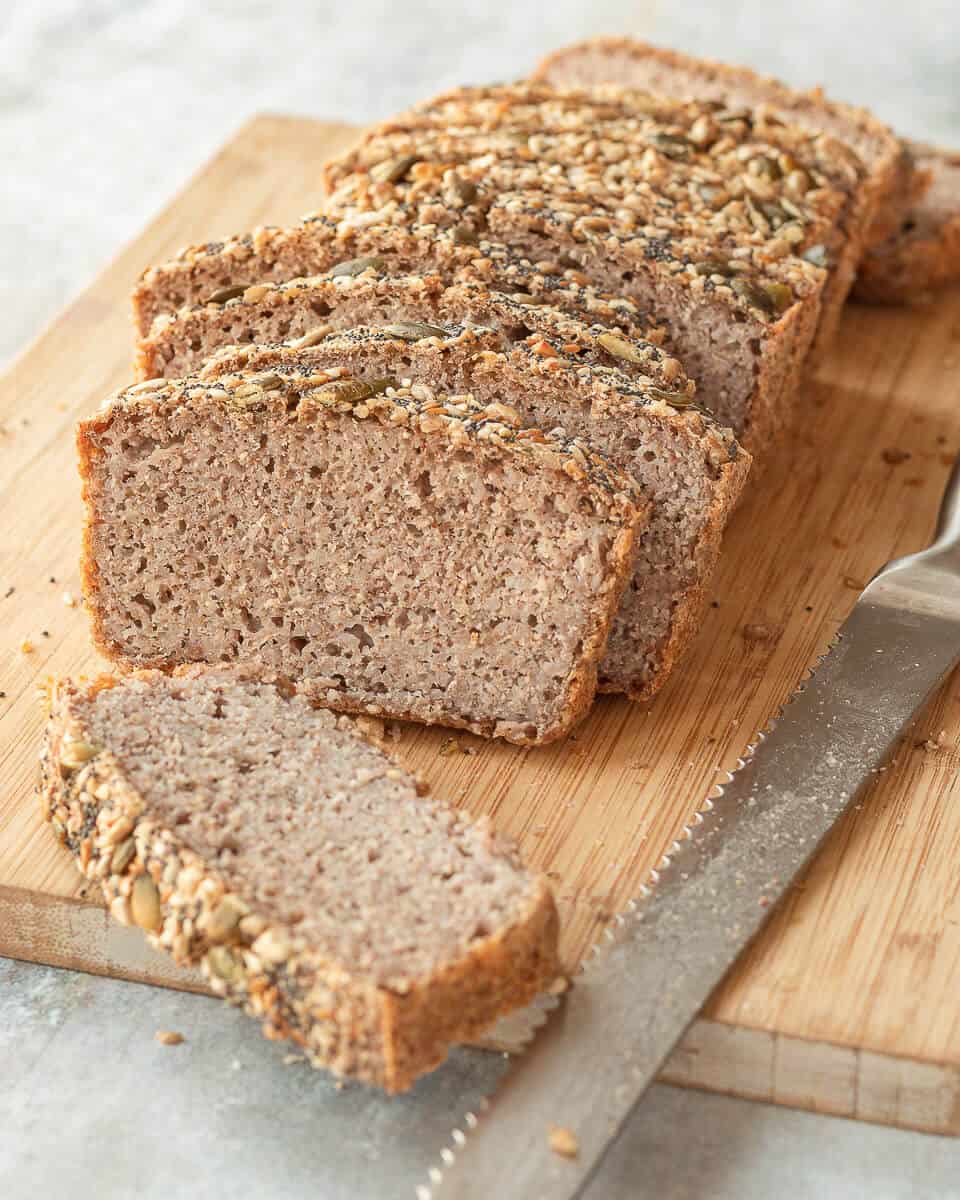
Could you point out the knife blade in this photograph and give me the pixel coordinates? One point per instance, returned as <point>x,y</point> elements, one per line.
<point>714,888</point>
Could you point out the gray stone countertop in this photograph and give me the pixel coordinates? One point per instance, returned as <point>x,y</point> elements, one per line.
<point>106,107</point>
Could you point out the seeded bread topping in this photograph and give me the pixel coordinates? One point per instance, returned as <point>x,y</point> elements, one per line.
<point>690,470</point>
<point>662,171</point>
<point>399,551</point>
<point>306,310</point>
<point>301,866</point>
<point>746,364</point>
<point>637,64</point>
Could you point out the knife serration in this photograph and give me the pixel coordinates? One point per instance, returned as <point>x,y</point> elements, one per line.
<point>714,888</point>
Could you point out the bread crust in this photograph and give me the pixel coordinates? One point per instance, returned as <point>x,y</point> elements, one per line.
<point>924,252</point>
<point>345,1022</point>
<point>494,431</point>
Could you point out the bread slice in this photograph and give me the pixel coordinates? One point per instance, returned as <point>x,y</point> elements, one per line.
<point>924,253</point>
<point>637,64</point>
<point>399,552</point>
<point>676,226</point>
<point>664,171</point>
<point>217,273</point>
<point>297,863</point>
<point>691,470</point>
<point>307,309</point>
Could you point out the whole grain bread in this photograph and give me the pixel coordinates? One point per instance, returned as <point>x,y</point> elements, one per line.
<point>297,863</point>
<point>749,362</point>
<point>638,64</point>
<point>691,470</point>
<point>690,216</point>
<point>366,292</point>
<point>218,272</point>
<point>924,252</point>
<point>397,551</point>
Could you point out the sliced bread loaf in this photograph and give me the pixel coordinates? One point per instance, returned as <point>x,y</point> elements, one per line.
<point>663,170</point>
<point>924,252</point>
<point>217,273</point>
<point>305,310</point>
<point>268,841</point>
<point>637,64</point>
<point>691,470</point>
<point>399,552</point>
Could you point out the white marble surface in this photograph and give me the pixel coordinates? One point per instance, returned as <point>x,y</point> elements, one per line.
<point>106,107</point>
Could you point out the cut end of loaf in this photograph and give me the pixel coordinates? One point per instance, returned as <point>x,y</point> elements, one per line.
<point>400,553</point>
<point>247,831</point>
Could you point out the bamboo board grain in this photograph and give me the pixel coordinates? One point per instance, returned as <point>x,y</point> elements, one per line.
<point>848,1002</point>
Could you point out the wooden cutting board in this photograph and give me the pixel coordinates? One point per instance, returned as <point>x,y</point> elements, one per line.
<point>850,1001</point>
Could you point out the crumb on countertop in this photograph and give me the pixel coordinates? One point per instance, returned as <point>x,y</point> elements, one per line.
<point>168,1037</point>
<point>563,1141</point>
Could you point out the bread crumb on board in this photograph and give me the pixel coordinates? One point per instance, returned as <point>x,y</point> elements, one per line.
<point>169,1037</point>
<point>563,1141</point>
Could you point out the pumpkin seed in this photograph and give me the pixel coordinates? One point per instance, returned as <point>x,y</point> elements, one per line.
<point>226,917</point>
<point>463,235</point>
<point>713,266</point>
<point>392,170</point>
<point>266,380</point>
<point>817,255</point>
<point>464,191</point>
<point>413,331</point>
<point>780,294</point>
<point>122,856</point>
<point>227,293</point>
<point>674,399</point>
<point>145,904</point>
<point>356,266</point>
<point>74,754</point>
<point>766,168</point>
<point>352,391</point>
<point>619,347</point>
<point>673,145</point>
<point>753,295</point>
<point>226,964</point>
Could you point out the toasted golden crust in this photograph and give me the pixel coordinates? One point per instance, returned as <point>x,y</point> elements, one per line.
<point>345,1022</point>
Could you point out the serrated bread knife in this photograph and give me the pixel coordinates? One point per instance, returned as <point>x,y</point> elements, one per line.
<point>599,1051</point>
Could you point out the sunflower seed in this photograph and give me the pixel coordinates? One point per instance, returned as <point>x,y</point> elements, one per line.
<point>619,347</point>
<point>413,331</point>
<point>356,266</point>
<point>145,904</point>
<point>392,170</point>
<point>312,338</point>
